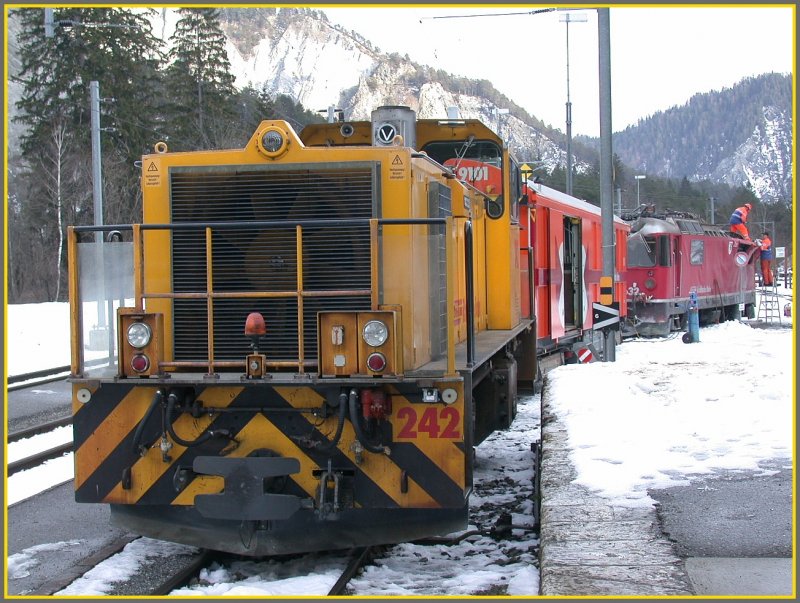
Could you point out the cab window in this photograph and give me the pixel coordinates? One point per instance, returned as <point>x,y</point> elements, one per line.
<point>641,251</point>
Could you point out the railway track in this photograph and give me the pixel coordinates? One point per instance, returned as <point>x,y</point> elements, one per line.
<point>184,575</point>
<point>157,579</point>
<point>38,457</point>
<point>37,429</point>
<point>48,375</point>
<point>358,559</point>
<point>32,379</point>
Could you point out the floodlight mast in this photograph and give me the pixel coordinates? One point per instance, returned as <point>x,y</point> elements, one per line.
<point>570,18</point>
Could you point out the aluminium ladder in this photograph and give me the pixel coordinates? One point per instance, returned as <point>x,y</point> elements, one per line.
<point>769,304</point>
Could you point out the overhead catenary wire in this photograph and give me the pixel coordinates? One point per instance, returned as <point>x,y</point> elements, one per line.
<point>527,12</point>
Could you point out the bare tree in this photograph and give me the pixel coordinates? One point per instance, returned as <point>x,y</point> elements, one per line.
<point>52,162</point>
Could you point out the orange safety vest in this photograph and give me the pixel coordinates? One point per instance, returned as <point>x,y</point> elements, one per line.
<point>766,248</point>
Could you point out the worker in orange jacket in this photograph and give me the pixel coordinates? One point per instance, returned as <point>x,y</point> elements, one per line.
<point>739,220</point>
<point>766,260</point>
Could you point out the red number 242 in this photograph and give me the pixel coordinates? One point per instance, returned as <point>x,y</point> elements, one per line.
<point>435,421</point>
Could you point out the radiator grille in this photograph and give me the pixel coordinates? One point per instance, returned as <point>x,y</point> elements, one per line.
<point>250,259</point>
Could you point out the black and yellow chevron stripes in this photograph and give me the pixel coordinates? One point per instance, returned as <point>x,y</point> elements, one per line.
<point>424,470</point>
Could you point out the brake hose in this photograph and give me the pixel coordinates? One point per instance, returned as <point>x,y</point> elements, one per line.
<point>357,426</point>
<point>171,400</point>
<point>138,448</point>
<point>339,427</point>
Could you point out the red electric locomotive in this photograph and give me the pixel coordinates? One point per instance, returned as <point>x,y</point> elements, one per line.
<point>672,254</point>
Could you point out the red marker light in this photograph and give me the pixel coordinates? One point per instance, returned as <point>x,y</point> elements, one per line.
<point>140,363</point>
<point>255,325</point>
<point>376,362</point>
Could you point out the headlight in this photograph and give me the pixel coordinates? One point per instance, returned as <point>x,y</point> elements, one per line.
<point>272,141</point>
<point>375,333</point>
<point>139,335</point>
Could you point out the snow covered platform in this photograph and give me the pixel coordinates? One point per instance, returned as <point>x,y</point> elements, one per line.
<point>590,547</point>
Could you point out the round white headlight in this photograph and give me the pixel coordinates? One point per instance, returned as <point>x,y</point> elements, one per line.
<point>375,333</point>
<point>139,335</point>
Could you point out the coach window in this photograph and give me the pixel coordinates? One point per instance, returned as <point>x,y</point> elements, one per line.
<point>696,252</point>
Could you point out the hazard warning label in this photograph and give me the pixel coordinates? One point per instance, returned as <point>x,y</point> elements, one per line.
<point>152,174</point>
<point>397,170</point>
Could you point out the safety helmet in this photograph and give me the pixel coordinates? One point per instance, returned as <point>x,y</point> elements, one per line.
<point>748,206</point>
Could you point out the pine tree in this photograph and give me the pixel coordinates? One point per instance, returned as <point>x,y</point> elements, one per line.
<point>115,48</point>
<point>112,46</point>
<point>199,82</point>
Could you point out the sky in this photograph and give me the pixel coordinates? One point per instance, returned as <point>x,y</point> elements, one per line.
<point>660,56</point>
<point>722,404</point>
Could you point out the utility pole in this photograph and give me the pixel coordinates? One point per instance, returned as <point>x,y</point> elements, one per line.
<point>98,334</point>
<point>638,178</point>
<point>498,113</point>
<point>97,183</point>
<point>606,167</point>
<point>606,158</point>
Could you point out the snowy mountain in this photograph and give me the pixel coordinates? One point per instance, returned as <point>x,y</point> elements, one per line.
<point>739,136</point>
<point>743,139</point>
<point>319,64</point>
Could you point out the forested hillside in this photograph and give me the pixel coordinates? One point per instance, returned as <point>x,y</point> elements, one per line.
<point>698,140</point>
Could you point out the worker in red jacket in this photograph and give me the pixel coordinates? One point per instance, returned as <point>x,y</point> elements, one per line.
<point>766,260</point>
<point>739,220</point>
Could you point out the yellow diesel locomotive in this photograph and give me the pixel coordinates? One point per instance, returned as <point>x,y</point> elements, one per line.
<point>302,342</point>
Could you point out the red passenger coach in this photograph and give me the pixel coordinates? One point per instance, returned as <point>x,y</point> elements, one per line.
<point>672,254</point>
<point>566,236</point>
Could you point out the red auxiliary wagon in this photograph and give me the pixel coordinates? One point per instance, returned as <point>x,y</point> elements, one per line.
<point>671,255</point>
<point>566,236</point>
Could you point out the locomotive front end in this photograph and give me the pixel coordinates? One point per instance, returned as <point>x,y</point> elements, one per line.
<point>267,364</point>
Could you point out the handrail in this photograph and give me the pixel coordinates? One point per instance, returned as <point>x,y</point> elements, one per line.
<point>209,294</point>
<point>262,224</point>
<point>209,299</point>
<point>470,288</point>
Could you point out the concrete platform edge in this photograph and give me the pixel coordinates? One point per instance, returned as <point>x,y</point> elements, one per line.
<point>589,547</point>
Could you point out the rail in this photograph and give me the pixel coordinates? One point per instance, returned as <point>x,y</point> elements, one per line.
<point>358,559</point>
<point>38,458</point>
<point>49,375</point>
<point>37,429</point>
<point>38,374</point>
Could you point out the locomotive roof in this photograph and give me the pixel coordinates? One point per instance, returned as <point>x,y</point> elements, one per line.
<point>647,221</point>
<point>651,226</point>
